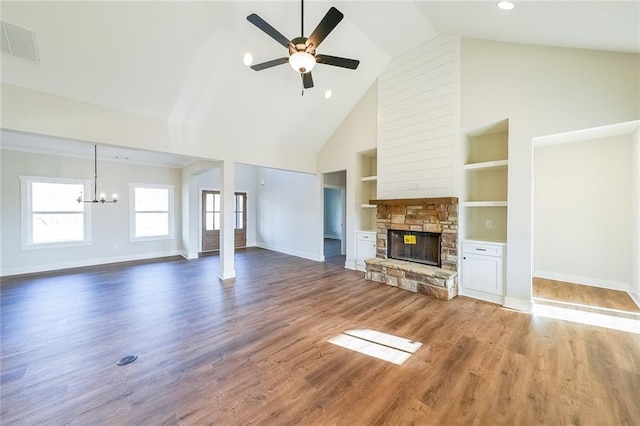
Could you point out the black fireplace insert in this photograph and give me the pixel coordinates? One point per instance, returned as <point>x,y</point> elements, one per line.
<point>414,246</point>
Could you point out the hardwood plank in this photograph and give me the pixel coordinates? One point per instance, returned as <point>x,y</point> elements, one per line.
<point>256,351</point>
<point>583,294</point>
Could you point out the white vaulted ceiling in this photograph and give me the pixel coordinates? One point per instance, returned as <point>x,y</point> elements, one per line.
<point>182,61</point>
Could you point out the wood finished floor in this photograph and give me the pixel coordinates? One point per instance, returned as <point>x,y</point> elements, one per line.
<point>255,351</point>
<point>583,295</point>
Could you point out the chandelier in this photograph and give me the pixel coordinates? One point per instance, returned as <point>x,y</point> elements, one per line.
<point>103,196</point>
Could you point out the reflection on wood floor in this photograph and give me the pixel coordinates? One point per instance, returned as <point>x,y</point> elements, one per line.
<point>545,290</point>
<point>257,351</point>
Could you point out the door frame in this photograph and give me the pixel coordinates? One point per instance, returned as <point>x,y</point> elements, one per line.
<point>200,217</point>
<point>201,189</point>
<point>343,212</point>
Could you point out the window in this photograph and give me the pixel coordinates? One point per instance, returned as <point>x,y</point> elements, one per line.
<point>212,211</point>
<point>152,211</point>
<point>51,214</point>
<point>239,209</point>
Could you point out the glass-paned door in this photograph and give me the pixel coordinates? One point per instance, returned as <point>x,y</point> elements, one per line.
<point>240,209</point>
<point>210,220</point>
<point>211,212</point>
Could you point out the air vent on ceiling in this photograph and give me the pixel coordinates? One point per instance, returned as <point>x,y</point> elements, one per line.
<point>19,42</point>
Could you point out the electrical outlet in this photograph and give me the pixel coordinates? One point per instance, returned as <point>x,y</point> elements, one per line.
<point>488,223</point>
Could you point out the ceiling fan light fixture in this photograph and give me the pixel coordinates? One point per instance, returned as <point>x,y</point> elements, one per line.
<point>247,59</point>
<point>302,62</point>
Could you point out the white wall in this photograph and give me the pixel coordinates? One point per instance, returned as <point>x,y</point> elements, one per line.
<point>418,118</point>
<point>332,213</point>
<point>357,133</point>
<point>542,91</point>
<point>289,213</point>
<point>336,178</point>
<point>584,206</point>
<point>109,222</point>
<point>29,111</point>
<point>634,288</point>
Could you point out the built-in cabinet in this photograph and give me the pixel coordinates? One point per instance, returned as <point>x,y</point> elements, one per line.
<point>365,248</point>
<point>484,211</point>
<point>483,270</point>
<point>368,189</point>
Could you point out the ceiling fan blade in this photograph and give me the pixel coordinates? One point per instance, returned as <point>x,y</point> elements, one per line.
<point>269,64</point>
<point>328,23</point>
<point>272,32</point>
<point>337,61</point>
<point>307,80</point>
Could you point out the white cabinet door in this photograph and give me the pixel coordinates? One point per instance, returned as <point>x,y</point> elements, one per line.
<point>483,273</point>
<point>365,248</point>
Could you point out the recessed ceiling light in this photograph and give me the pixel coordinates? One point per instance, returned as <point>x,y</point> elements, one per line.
<point>506,5</point>
<point>327,94</point>
<point>247,59</point>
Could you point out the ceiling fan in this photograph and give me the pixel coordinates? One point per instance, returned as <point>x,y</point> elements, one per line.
<point>302,50</point>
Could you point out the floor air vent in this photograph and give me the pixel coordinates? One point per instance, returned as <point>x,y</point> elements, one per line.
<point>127,359</point>
<point>19,42</point>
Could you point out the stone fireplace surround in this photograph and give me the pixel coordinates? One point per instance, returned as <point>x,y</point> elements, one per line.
<point>438,215</point>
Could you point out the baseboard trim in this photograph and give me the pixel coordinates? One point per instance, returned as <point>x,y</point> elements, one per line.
<point>518,304</point>
<point>32,269</point>
<point>635,297</point>
<point>350,264</point>
<point>285,250</point>
<point>582,280</point>
<point>227,275</point>
<point>480,295</point>
<point>189,256</point>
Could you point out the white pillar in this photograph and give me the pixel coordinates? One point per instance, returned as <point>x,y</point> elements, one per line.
<point>227,222</point>
<point>190,220</point>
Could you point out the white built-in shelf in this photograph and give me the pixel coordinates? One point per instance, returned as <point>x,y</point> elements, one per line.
<point>369,178</point>
<point>368,206</point>
<point>484,204</point>
<point>486,165</point>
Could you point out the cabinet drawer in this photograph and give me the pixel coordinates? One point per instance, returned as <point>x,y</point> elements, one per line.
<point>483,249</point>
<point>366,236</point>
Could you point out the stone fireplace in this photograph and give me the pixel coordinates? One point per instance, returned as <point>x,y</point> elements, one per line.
<point>417,245</point>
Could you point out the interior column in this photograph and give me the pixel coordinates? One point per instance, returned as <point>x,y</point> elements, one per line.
<point>227,221</point>
<point>190,220</point>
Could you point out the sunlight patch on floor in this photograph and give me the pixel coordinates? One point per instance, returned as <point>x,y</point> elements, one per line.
<point>376,344</point>
<point>589,318</point>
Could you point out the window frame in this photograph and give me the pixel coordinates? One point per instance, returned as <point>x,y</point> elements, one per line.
<point>26,213</point>
<point>170,211</point>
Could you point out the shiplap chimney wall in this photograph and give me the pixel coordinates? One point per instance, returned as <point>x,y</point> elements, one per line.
<point>418,117</point>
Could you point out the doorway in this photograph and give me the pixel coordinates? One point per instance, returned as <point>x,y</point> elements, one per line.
<point>334,202</point>
<point>583,262</point>
<point>211,220</point>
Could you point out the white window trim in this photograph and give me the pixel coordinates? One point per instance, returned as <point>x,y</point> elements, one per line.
<point>26,225</point>
<point>132,212</point>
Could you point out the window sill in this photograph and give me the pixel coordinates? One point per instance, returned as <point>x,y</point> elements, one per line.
<point>155,238</point>
<point>45,246</point>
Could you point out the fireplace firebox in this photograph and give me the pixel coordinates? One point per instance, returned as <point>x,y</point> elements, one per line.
<point>414,246</point>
